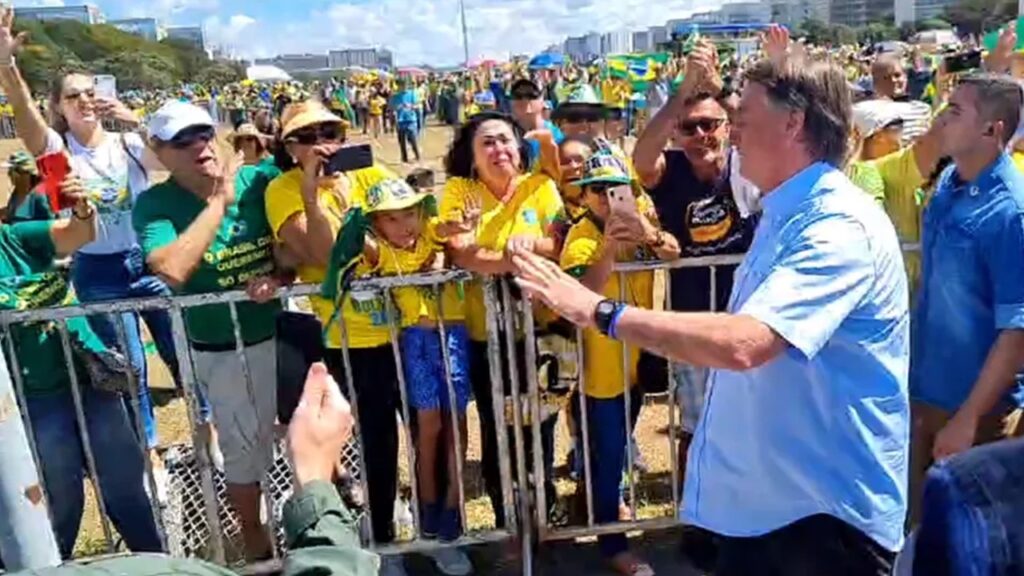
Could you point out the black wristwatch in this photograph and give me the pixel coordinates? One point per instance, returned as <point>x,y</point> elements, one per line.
<point>605,313</point>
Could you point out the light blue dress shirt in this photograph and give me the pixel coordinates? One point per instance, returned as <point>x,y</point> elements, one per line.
<point>972,282</point>
<point>824,427</point>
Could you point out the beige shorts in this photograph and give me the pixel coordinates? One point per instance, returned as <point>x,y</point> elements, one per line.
<point>244,414</point>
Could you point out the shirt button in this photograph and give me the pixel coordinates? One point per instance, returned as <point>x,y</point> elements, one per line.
<point>974,191</point>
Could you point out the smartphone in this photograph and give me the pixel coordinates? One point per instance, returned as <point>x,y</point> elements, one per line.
<point>349,158</point>
<point>621,199</point>
<point>105,86</point>
<point>53,169</point>
<point>963,62</point>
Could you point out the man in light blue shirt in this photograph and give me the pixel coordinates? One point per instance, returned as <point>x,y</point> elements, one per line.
<point>799,462</point>
<point>407,119</point>
<point>968,343</point>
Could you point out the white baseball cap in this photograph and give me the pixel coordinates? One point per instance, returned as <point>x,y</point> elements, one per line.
<point>175,116</point>
<point>873,116</point>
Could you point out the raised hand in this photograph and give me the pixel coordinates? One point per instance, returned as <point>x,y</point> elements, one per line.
<point>775,42</point>
<point>10,43</point>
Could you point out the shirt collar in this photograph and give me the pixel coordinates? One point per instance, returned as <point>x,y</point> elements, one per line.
<point>787,196</point>
<point>992,176</point>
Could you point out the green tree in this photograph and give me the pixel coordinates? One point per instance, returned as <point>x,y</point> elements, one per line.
<point>980,16</point>
<point>220,74</point>
<point>815,31</point>
<point>907,31</point>
<point>139,70</point>
<point>842,34</point>
<point>934,24</point>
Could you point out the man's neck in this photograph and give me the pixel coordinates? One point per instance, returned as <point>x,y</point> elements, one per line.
<point>970,165</point>
<point>789,166</point>
<point>710,172</point>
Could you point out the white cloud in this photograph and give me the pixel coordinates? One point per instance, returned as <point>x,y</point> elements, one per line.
<point>429,31</point>
<point>31,3</point>
<point>228,33</point>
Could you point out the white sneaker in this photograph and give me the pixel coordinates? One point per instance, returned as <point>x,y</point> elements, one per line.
<point>451,561</point>
<point>162,480</point>
<point>392,566</point>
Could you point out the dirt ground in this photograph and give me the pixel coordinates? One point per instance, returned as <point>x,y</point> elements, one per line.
<point>653,492</point>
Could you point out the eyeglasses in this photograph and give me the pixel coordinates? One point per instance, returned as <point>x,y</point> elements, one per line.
<point>191,135</point>
<point>705,125</point>
<point>600,187</point>
<point>581,118</point>
<point>313,134</point>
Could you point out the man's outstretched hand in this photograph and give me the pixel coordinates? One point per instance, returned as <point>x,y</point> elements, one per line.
<point>544,280</point>
<point>320,428</point>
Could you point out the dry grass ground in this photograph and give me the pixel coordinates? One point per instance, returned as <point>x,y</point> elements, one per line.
<point>653,496</point>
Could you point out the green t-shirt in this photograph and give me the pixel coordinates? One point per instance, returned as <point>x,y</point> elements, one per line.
<point>34,206</point>
<point>28,280</point>
<point>242,250</point>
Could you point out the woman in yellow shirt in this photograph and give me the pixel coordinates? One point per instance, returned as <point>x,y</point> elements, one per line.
<point>486,170</point>
<point>305,208</point>
<point>377,104</point>
<point>599,240</point>
<point>410,239</point>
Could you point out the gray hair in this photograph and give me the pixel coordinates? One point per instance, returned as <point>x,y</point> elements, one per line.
<point>999,99</point>
<point>818,90</point>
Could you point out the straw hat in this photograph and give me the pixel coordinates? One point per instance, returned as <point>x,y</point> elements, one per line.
<point>247,130</point>
<point>301,114</point>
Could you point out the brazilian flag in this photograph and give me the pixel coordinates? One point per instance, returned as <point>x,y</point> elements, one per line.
<point>345,255</point>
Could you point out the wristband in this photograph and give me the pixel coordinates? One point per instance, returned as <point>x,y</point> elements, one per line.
<point>614,323</point>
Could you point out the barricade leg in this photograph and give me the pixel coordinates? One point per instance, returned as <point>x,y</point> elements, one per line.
<point>494,355</point>
<point>211,507</point>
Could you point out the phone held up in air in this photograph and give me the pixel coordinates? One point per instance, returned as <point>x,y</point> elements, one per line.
<point>105,86</point>
<point>621,199</point>
<point>53,169</point>
<point>963,62</point>
<point>349,158</point>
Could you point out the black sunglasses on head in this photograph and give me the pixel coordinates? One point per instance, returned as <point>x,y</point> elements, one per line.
<point>312,134</point>
<point>706,125</point>
<point>191,135</point>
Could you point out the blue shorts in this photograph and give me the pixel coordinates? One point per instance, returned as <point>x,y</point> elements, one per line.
<point>423,365</point>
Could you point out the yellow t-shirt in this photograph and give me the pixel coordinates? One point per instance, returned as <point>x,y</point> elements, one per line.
<point>377,106</point>
<point>533,209</point>
<point>364,314</point>
<point>902,181</point>
<point>415,303</point>
<point>602,356</point>
<point>1018,160</point>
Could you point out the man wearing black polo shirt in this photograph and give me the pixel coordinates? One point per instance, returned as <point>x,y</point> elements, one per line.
<point>696,202</point>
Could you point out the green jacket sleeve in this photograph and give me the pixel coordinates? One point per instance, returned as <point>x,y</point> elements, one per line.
<point>321,536</point>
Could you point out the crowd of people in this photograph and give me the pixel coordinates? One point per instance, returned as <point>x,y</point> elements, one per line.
<point>827,384</point>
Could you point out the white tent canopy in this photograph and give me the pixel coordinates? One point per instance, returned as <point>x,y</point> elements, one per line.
<point>266,74</point>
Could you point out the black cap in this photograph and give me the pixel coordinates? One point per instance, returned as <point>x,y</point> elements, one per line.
<point>525,89</point>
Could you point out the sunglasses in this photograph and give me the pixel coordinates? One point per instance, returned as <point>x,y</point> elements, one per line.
<point>601,188</point>
<point>190,136</point>
<point>313,134</point>
<point>705,125</point>
<point>77,95</point>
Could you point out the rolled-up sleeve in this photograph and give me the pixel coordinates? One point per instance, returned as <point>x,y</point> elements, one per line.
<point>1004,251</point>
<point>818,279</point>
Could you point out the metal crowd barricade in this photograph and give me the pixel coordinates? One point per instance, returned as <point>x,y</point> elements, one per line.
<point>197,520</point>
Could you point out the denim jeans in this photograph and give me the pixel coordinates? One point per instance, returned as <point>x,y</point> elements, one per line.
<point>973,506</point>
<point>606,430</point>
<point>99,277</point>
<point>119,465</point>
<point>406,138</point>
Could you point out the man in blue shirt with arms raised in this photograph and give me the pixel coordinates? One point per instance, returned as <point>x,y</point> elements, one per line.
<point>799,462</point>
<point>968,343</point>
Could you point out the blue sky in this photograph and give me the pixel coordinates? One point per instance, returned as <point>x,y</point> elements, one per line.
<point>417,31</point>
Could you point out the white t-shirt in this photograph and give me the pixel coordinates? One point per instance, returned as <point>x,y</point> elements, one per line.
<point>113,181</point>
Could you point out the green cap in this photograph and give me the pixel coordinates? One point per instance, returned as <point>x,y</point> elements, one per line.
<point>604,168</point>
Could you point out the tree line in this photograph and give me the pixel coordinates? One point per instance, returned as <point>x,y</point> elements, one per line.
<point>59,46</point>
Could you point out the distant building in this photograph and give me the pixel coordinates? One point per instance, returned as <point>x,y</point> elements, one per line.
<point>856,13</point>
<point>584,48</point>
<point>616,43</point>
<point>84,13</point>
<point>659,35</point>
<point>642,41</point>
<point>926,9</point>
<point>148,28</point>
<point>365,57</point>
<point>194,35</point>
<point>793,12</point>
<point>292,63</point>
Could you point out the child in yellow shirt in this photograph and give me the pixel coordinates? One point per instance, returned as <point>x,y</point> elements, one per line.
<point>409,239</point>
<point>599,240</point>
